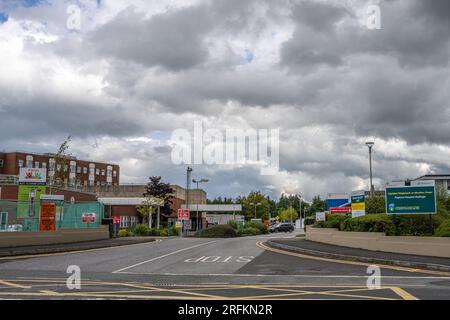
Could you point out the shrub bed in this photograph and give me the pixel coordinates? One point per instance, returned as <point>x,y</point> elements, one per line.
<point>444,229</point>
<point>219,231</point>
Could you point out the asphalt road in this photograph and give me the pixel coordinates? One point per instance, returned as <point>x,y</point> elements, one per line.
<point>191,268</point>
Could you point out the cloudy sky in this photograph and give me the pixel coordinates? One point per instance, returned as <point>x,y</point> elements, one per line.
<point>136,70</point>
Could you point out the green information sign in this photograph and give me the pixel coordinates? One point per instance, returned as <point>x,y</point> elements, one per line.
<point>419,198</point>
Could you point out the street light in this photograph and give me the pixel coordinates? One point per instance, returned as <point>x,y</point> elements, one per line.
<point>370,144</point>
<point>255,205</point>
<point>197,182</point>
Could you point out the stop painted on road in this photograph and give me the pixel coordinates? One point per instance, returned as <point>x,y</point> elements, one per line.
<point>220,259</point>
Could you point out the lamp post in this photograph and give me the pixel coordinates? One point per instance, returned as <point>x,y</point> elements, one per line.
<point>255,205</point>
<point>370,144</point>
<point>300,210</point>
<point>198,182</point>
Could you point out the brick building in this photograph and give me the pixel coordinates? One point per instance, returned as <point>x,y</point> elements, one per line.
<point>77,173</point>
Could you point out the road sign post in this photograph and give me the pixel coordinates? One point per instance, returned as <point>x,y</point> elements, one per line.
<point>358,203</point>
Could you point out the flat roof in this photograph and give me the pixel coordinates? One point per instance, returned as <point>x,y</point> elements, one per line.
<point>214,207</point>
<point>132,201</point>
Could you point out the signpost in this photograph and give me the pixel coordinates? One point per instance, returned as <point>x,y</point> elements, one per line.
<point>414,197</point>
<point>320,216</point>
<point>341,210</point>
<point>358,203</point>
<point>48,214</point>
<point>417,198</point>
<point>183,214</point>
<point>89,217</point>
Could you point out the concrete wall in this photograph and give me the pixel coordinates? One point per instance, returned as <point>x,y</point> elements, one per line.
<point>425,246</point>
<point>17,239</point>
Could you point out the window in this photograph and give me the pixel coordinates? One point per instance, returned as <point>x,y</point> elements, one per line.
<point>97,171</point>
<point>3,220</point>
<point>44,164</point>
<point>73,166</point>
<point>84,170</point>
<point>124,221</point>
<point>133,220</point>
<point>65,168</point>
<point>51,164</point>
<point>78,169</point>
<point>1,163</point>
<point>36,164</point>
<point>20,163</point>
<point>114,173</point>
<point>103,172</point>
<point>29,161</point>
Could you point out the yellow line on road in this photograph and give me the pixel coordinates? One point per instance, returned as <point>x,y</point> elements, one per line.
<point>402,293</point>
<point>383,266</point>
<point>10,284</point>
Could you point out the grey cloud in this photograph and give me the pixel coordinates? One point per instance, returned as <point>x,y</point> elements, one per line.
<point>172,40</point>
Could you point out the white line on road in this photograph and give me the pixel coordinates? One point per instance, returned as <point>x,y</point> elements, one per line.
<point>282,275</point>
<point>163,256</point>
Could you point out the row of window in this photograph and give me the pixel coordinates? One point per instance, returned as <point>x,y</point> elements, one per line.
<point>126,221</point>
<point>103,172</point>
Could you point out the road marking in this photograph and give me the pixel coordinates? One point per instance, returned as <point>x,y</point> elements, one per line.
<point>402,293</point>
<point>73,252</point>
<point>163,256</point>
<point>217,259</point>
<point>10,284</point>
<point>186,292</point>
<point>397,268</point>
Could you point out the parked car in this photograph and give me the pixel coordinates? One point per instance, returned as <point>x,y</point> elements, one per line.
<point>282,227</point>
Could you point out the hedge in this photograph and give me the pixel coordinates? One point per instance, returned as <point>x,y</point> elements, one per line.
<point>370,223</point>
<point>444,229</point>
<point>219,231</point>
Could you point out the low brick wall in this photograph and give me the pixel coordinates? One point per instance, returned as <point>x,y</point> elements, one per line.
<point>18,239</point>
<point>424,246</point>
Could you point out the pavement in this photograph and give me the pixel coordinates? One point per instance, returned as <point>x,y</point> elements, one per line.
<point>354,254</point>
<point>193,268</point>
<point>66,247</point>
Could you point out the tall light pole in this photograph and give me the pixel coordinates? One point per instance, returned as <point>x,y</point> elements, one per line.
<point>300,209</point>
<point>255,205</point>
<point>370,144</point>
<point>197,182</point>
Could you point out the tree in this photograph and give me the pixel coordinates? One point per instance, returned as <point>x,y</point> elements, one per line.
<point>146,210</point>
<point>157,189</point>
<point>289,214</point>
<point>262,210</point>
<point>61,157</point>
<point>317,205</point>
<point>148,207</point>
<point>375,204</point>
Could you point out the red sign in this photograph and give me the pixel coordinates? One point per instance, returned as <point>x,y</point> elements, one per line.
<point>88,217</point>
<point>341,210</point>
<point>183,214</point>
<point>116,219</point>
<point>48,214</point>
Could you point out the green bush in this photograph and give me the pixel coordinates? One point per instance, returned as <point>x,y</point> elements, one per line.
<point>257,225</point>
<point>310,220</point>
<point>219,231</point>
<point>335,221</point>
<point>234,224</point>
<point>370,223</point>
<point>124,233</point>
<point>142,230</point>
<point>319,224</point>
<point>444,229</point>
<point>250,231</point>
<point>414,225</point>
